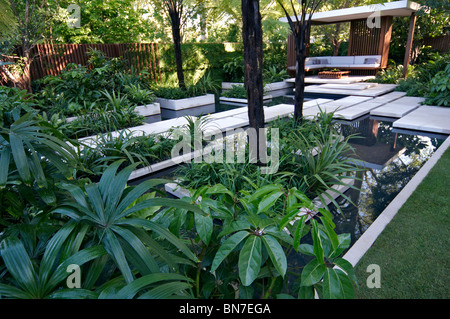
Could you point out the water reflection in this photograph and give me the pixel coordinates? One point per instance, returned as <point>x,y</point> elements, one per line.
<point>390,159</point>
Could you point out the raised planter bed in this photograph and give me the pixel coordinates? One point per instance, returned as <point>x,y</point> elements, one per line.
<point>193,106</point>
<point>275,89</point>
<point>151,112</point>
<point>241,102</point>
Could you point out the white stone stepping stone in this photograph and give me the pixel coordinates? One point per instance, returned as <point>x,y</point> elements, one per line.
<point>352,86</point>
<point>389,97</point>
<point>372,91</point>
<point>427,118</point>
<point>398,108</point>
<point>348,101</point>
<point>227,113</point>
<point>356,111</point>
<point>316,102</point>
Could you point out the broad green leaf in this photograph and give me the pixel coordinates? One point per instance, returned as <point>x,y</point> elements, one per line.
<point>177,242</point>
<point>219,189</point>
<point>114,249</point>
<point>347,268</point>
<point>53,250</point>
<point>130,290</point>
<point>137,245</point>
<point>204,226</point>
<point>312,273</point>
<point>317,242</point>
<point>336,285</point>
<point>332,236</point>
<point>306,292</point>
<point>299,232</point>
<point>234,226</point>
<point>5,156</point>
<point>268,201</point>
<point>306,249</point>
<point>164,291</point>
<point>13,292</point>
<point>96,201</point>
<point>164,202</point>
<point>344,242</point>
<point>227,247</point>
<point>73,293</point>
<point>276,253</point>
<point>250,260</point>
<point>20,158</point>
<point>19,265</point>
<point>79,258</point>
<point>246,292</point>
<point>264,190</point>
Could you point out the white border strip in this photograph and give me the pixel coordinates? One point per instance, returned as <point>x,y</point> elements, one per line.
<point>362,245</point>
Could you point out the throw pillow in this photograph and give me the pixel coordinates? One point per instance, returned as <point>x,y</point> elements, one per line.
<point>371,61</point>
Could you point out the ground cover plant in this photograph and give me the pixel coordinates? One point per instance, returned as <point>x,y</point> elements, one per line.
<point>312,172</point>
<point>61,209</point>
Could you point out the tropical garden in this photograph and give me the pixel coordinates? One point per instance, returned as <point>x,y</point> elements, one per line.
<point>68,207</point>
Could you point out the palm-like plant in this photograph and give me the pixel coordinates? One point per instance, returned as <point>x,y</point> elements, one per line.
<point>30,278</point>
<point>29,143</point>
<point>105,206</point>
<point>326,167</point>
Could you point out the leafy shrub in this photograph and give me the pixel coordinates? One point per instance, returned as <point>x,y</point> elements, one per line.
<point>272,74</point>
<point>78,87</point>
<point>429,80</point>
<point>14,102</point>
<point>236,91</point>
<point>392,74</point>
<point>234,70</point>
<point>205,85</point>
<point>440,88</point>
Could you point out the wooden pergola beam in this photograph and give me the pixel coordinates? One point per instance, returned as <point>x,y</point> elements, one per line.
<point>409,42</point>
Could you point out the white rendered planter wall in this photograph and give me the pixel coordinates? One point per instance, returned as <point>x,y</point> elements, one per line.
<point>190,106</point>
<point>151,112</point>
<point>274,89</point>
<point>241,102</point>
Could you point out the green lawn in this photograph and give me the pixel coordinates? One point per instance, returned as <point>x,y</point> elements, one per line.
<point>413,250</point>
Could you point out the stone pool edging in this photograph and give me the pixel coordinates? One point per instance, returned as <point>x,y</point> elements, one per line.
<point>368,238</point>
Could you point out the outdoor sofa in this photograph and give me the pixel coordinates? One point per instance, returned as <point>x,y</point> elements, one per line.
<point>357,62</point>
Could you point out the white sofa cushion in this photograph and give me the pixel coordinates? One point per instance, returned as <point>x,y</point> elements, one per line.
<point>362,66</point>
<point>360,59</point>
<point>342,60</point>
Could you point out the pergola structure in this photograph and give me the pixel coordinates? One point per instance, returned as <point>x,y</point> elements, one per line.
<point>370,28</point>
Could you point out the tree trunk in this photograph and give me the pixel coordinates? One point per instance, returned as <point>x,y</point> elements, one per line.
<point>23,81</point>
<point>176,34</point>
<point>302,41</point>
<point>253,62</point>
<point>299,86</point>
<point>335,39</point>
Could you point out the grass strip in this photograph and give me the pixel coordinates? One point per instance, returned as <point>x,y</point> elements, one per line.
<point>413,250</point>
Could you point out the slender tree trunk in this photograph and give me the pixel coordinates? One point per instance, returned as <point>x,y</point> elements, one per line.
<point>177,49</point>
<point>25,82</point>
<point>299,85</point>
<point>253,62</point>
<point>175,10</point>
<point>335,40</point>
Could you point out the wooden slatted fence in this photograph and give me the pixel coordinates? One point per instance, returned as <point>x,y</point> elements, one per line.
<point>51,59</point>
